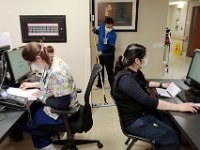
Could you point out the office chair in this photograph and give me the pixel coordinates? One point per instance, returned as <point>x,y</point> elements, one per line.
<point>133,137</point>
<point>82,124</point>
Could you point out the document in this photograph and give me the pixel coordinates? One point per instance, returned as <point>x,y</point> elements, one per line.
<point>28,93</point>
<point>171,91</point>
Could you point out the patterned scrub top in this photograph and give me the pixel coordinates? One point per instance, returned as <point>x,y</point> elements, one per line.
<point>57,82</point>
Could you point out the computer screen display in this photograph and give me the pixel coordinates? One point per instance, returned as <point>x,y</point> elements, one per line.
<point>17,66</point>
<point>194,70</point>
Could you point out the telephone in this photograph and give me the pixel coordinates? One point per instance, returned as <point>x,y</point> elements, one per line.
<point>13,102</point>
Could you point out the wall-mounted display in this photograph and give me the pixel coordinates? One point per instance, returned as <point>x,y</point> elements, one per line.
<point>45,28</point>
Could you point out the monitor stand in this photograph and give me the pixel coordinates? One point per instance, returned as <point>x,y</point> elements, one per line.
<point>187,82</point>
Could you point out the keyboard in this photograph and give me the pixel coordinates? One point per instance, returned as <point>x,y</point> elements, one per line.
<point>189,96</point>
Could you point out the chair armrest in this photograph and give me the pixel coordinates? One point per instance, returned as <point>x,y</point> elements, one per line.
<point>79,90</point>
<point>65,112</point>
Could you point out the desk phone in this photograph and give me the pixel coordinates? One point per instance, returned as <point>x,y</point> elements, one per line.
<point>13,102</point>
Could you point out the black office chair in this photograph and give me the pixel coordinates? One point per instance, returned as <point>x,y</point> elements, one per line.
<point>82,124</point>
<point>133,137</point>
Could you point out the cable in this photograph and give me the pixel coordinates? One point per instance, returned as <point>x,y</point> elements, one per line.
<point>3,116</point>
<point>183,78</point>
<point>4,72</point>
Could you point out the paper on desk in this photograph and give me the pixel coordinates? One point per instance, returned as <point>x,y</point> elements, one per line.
<point>171,91</point>
<point>162,92</point>
<point>28,93</point>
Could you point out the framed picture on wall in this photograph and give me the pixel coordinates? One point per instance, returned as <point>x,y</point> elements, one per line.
<point>45,28</point>
<point>123,12</point>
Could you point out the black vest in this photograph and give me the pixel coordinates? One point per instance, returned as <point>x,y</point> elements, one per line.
<point>129,109</point>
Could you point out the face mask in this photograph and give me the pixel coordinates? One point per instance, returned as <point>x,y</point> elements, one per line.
<point>108,29</point>
<point>37,67</point>
<point>145,60</point>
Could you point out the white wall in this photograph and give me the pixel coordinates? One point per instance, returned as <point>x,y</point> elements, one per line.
<point>169,16</point>
<point>76,52</point>
<point>152,21</point>
<point>179,32</point>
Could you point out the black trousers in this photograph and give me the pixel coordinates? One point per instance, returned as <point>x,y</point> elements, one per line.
<point>108,63</point>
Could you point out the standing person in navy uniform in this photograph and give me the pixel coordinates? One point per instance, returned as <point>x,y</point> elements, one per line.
<point>106,48</point>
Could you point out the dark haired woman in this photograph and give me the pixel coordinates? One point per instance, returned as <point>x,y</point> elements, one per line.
<point>57,90</point>
<point>141,114</point>
<point>106,48</point>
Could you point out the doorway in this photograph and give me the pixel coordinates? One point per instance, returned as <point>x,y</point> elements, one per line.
<point>194,37</point>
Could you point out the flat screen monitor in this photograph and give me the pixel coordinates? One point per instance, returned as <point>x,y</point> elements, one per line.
<point>194,71</point>
<point>17,67</point>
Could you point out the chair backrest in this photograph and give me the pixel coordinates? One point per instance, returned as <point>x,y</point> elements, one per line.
<point>120,121</point>
<point>95,71</point>
<point>86,112</point>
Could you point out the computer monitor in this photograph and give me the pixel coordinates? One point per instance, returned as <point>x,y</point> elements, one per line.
<point>194,71</point>
<point>17,67</point>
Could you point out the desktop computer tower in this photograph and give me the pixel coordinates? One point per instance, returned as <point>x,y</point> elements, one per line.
<point>3,50</point>
<point>1,71</point>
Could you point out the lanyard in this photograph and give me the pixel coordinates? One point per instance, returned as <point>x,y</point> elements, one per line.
<point>106,36</point>
<point>44,80</point>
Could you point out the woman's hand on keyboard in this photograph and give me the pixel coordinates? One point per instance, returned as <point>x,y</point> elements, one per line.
<point>26,85</point>
<point>188,107</point>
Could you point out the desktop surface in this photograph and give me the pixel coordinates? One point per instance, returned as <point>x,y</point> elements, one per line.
<point>9,121</point>
<point>188,123</point>
<point>10,117</point>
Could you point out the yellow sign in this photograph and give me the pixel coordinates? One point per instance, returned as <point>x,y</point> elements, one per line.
<point>177,49</point>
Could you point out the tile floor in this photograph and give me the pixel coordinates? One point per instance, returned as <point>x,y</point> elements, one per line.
<point>106,126</point>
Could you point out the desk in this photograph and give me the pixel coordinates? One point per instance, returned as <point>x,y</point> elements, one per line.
<point>188,123</point>
<point>12,117</point>
<point>7,124</point>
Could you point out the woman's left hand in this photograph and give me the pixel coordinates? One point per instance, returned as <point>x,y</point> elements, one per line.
<point>36,94</point>
<point>165,85</point>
